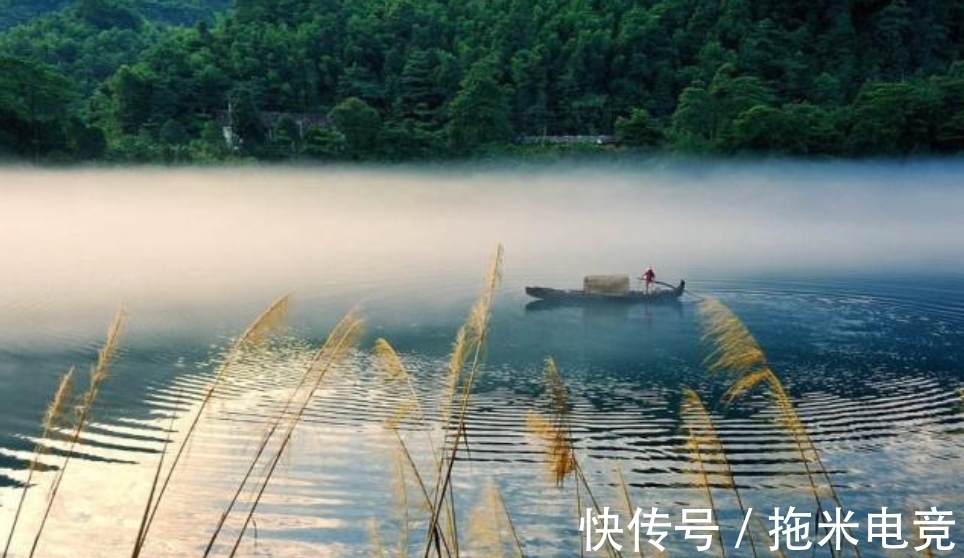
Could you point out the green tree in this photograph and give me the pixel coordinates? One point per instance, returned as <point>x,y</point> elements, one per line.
<point>323,143</point>
<point>34,103</point>
<point>894,118</point>
<point>638,128</point>
<point>479,114</point>
<point>417,98</point>
<point>246,120</point>
<point>358,123</point>
<point>131,90</point>
<point>105,14</point>
<point>694,121</point>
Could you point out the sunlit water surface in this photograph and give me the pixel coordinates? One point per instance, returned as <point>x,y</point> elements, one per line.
<point>849,275</point>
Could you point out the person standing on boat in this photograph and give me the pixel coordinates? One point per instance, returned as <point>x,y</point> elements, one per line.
<point>649,276</point>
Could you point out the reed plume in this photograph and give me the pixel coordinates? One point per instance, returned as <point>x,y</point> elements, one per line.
<point>556,434</point>
<point>396,372</point>
<point>464,365</point>
<point>627,500</point>
<point>402,461</point>
<point>269,321</point>
<point>401,495</point>
<point>705,445</point>
<point>267,437</point>
<point>98,374</point>
<point>378,550</point>
<point>491,529</point>
<point>342,339</point>
<point>737,352</point>
<point>52,419</point>
<point>555,431</point>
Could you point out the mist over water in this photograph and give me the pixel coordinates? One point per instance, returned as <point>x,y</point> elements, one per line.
<point>850,274</point>
<point>163,238</point>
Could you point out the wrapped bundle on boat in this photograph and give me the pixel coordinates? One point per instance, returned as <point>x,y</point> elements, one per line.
<point>606,284</point>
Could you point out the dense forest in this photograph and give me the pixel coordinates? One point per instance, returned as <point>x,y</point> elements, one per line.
<point>195,80</point>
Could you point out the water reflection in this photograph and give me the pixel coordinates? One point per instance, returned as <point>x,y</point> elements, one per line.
<point>848,275</point>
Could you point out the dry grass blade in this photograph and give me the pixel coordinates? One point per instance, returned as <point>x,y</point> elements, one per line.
<point>737,351</point>
<point>394,369</point>
<point>561,450</point>
<point>484,533</point>
<point>52,417</point>
<point>378,550</point>
<point>509,524</point>
<point>55,411</point>
<point>464,365</point>
<point>427,502</point>
<point>555,432</point>
<point>490,527</point>
<point>556,445</point>
<point>342,339</point>
<point>704,441</point>
<point>401,495</point>
<point>764,533</point>
<point>627,500</point>
<point>388,360</point>
<point>266,323</point>
<point>98,374</point>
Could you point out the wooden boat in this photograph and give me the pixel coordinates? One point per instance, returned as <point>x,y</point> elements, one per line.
<point>581,296</point>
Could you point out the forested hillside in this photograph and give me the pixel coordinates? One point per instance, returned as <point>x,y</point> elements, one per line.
<point>15,12</point>
<point>395,79</point>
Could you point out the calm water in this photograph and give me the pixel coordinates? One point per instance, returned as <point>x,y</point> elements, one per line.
<point>849,275</point>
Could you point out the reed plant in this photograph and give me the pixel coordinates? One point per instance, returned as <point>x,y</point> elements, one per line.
<point>707,450</point>
<point>53,419</point>
<point>464,366</point>
<point>736,352</point>
<point>340,342</point>
<point>306,379</point>
<point>488,529</point>
<point>98,373</point>
<point>492,532</point>
<point>628,508</point>
<point>436,494</point>
<point>409,410</point>
<point>555,431</point>
<point>263,326</point>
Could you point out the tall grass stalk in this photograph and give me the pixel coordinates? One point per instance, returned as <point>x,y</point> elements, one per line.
<point>627,500</point>
<point>428,502</point>
<point>510,525</point>
<point>98,374</point>
<point>388,360</point>
<point>736,351</point>
<point>556,433</point>
<point>267,437</point>
<point>52,417</point>
<point>342,339</point>
<point>378,549</point>
<point>157,473</point>
<point>703,439</point>
<point>395,371</point>
<point>491,528</point>
<point>264,325</point>
<point>401,494</point>
<point>464,365</point>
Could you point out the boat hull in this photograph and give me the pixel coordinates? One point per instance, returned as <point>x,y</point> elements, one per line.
<point>582,297</point>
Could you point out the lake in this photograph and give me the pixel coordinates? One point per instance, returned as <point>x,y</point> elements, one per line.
<point>849,275</point>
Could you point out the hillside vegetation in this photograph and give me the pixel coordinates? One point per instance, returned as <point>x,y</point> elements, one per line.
<point>402,79</point>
